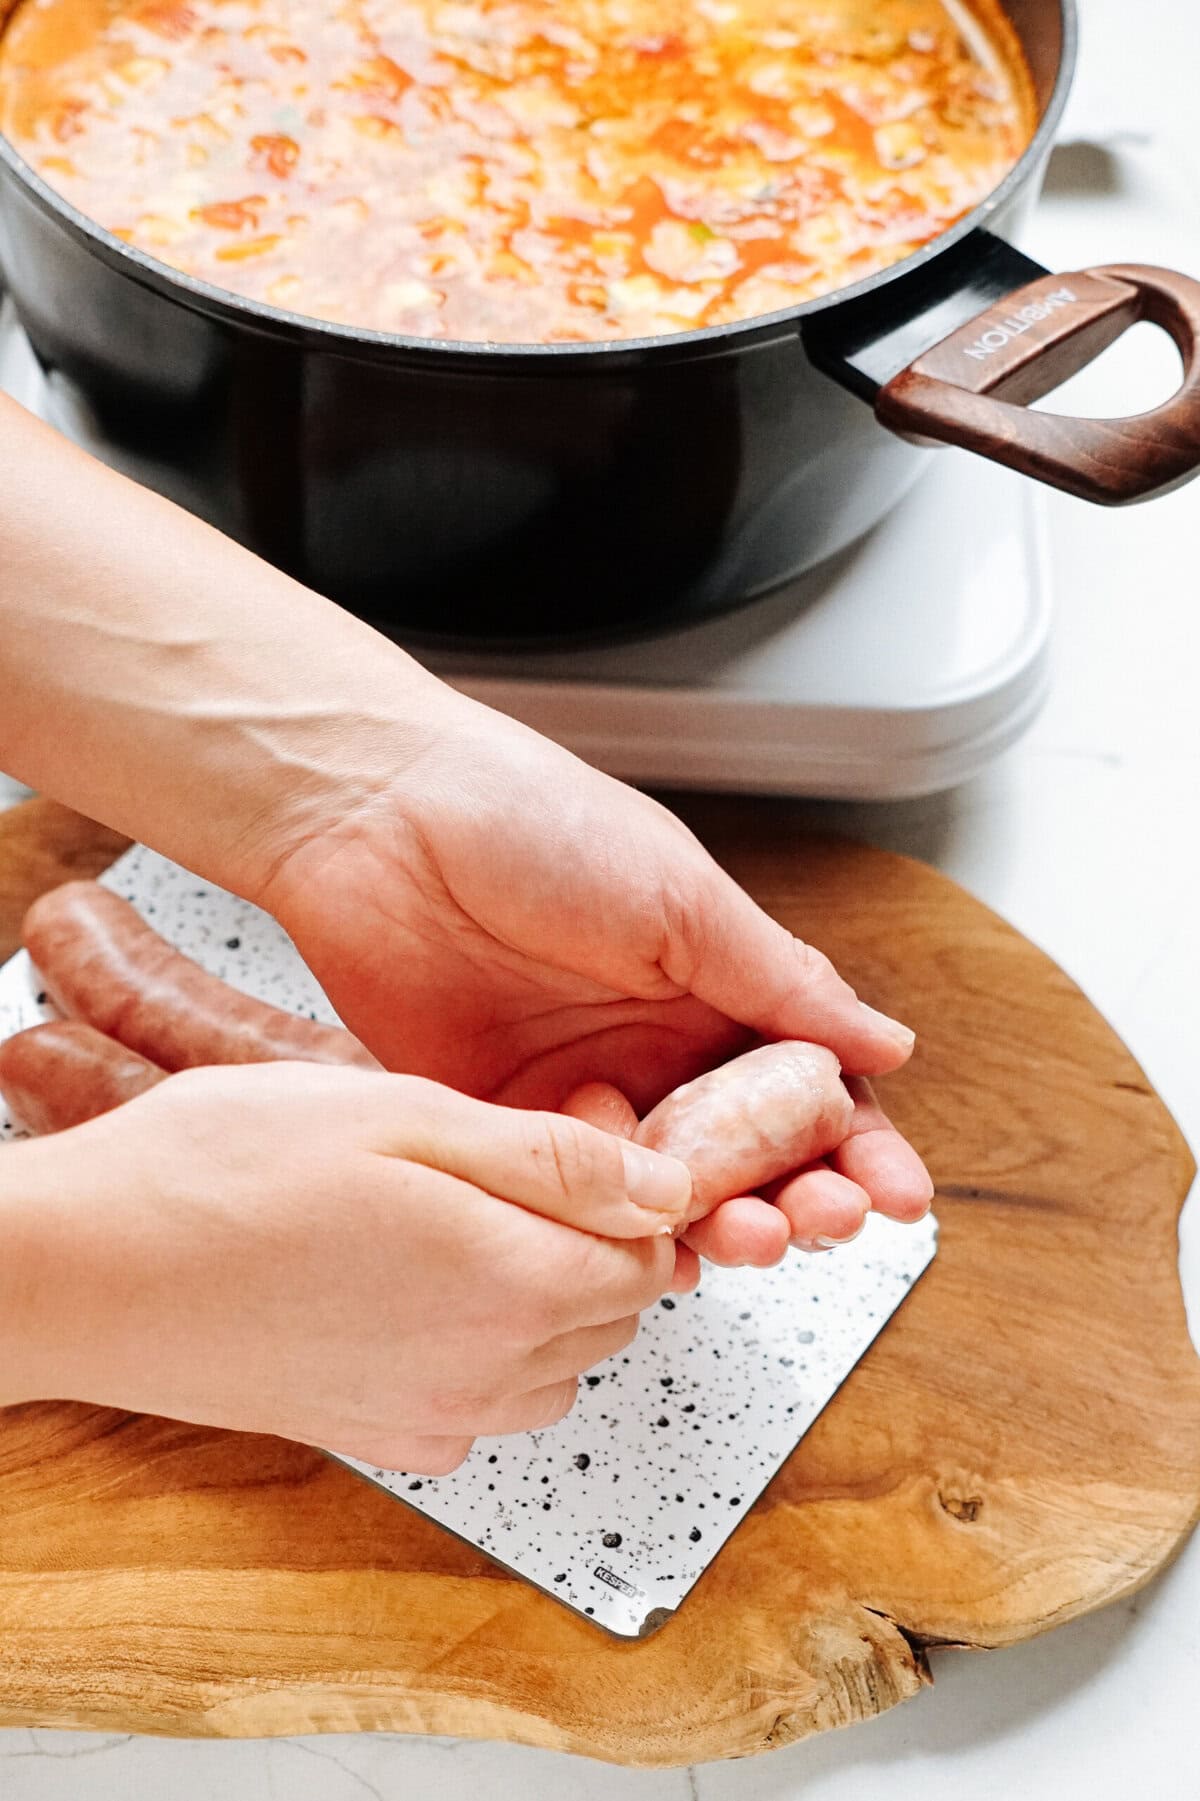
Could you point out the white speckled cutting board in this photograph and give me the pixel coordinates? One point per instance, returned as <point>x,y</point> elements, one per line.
<point>618,1510</point>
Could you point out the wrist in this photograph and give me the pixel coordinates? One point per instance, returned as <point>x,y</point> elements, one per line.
<point>393,758</point>
<point>353,718</point>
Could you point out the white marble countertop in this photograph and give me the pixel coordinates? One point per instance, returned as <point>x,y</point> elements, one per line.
<point>1087,836</point>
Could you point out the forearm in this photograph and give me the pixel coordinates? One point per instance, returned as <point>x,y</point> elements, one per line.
<point>160,678</point>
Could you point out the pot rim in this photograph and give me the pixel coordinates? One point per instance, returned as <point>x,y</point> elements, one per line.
<point>478,357</point>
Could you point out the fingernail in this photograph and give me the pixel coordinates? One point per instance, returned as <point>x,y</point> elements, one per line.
<point>823,1242</point>
<point>656,1182</point>
<point>831,1244</point>
<point>900,1035</point>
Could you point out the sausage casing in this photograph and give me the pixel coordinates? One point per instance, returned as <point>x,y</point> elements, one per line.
<point>754,1119</point>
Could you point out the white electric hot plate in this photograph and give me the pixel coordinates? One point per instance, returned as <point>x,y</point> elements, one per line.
<point>898,668</point>
<point>617,1511</point>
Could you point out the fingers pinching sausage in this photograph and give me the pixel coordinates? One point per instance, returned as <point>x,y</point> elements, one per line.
<point>60,1074</point>
<point>103,964</point>
<point>756,1118</point>
<point>564,1169</point>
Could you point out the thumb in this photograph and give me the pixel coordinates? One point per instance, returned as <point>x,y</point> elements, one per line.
<point>561,1168</point>
<point>727,952</point>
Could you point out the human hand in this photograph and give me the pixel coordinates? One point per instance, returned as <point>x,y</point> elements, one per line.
<point>493,913</point>
<point>368,1263</point>
<point>481,907</point>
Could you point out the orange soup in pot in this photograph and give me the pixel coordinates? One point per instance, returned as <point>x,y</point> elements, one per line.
<point>530,171</point>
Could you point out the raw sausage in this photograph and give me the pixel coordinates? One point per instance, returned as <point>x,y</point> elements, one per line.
<point>62,1073</point>
<point>103,964</point>
<point>761,1116</point>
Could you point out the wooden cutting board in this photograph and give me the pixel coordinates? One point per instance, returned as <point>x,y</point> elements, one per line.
<point>1021,1445</point>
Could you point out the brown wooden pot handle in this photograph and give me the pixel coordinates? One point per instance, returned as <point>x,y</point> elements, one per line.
<point>973,388</point>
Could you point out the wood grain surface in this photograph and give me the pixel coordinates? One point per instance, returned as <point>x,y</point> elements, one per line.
<point>1021,1445</point>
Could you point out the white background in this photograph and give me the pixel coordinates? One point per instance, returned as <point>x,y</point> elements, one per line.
<point>1086,837</point>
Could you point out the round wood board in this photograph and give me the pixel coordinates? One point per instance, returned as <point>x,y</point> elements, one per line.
<point>1021,1445</point>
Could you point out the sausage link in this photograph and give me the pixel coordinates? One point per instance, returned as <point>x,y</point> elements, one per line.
<point>758,1117</point>
<point>63,1073</point>
<point>103,964</point>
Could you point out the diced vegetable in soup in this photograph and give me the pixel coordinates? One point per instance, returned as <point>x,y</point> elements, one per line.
<point>519,170</point>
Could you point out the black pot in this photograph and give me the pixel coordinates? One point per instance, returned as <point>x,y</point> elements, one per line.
<point>499,494</point>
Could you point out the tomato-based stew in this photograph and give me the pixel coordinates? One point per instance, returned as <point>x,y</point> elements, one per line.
<point>528,171</point>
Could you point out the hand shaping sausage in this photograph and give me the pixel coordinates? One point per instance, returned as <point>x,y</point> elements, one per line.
<point>63,1073</point>
<point>763,1115</point>
<point>103,964</point>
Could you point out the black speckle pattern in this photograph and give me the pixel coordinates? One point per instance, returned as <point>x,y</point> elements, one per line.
<point>604,1510</point>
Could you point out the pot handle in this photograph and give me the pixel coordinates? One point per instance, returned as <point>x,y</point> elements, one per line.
<point>973,387</point>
